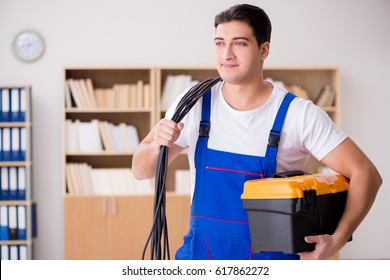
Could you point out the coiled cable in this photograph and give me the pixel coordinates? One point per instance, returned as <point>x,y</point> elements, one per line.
<point>159,230</point>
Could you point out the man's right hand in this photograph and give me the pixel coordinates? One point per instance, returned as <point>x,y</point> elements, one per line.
<point>166,133</point>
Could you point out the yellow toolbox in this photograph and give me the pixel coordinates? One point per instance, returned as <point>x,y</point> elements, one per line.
<point>282,211</point>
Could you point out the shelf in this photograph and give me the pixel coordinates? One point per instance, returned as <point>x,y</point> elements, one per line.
<point>113,110</point>
<point>168,194</point>
<point>99,154</point>
<point>15,124</point>
<point>16,202</point>
<point>15,163</point>
<point>16,242</point>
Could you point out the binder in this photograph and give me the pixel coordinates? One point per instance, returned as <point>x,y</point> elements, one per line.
<point>14,105</point>
<point>5,105</point>
<point>34,228</point>
<point>22,143</point>
<point>4,234</point>
<point>12,180</point>
<point>4,252</point>
<point>1,106</point>
<point>21,183</point>
<point>6,152</point>
<point>22,221</point>
<point>4,183</point>
<point>13,252</point>
<point>1,143</point>
<point>22,104</point>
<point>15,144</point>
<point>12,223</point>
<point>23,252</point>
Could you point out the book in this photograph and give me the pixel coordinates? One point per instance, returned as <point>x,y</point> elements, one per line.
<point>147,97</point>
<point>326,97</point>
<point>174,86</point>
<point>68,96</point>
<point>140,92</point>
<point>76,93</point>
<point>89,136</point>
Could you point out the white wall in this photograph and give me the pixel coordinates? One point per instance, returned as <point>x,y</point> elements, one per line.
<point>351,34</point>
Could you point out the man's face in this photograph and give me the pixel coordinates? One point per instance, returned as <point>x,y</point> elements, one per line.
<point>238,57</point>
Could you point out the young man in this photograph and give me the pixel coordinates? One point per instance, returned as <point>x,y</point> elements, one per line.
<point>242,110</point>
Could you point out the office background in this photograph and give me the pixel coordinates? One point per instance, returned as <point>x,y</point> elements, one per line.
<point>350,34</point>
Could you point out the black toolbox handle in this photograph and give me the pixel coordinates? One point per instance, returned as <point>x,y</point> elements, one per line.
<point>287,174</point>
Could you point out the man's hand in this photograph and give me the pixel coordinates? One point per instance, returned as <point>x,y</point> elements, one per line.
<point>166,133</point>
<point>325,247</point>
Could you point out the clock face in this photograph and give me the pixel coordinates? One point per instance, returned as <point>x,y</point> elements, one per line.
<point>28,46</point>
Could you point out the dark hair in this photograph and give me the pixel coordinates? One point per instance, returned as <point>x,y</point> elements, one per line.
<point>254,16</point>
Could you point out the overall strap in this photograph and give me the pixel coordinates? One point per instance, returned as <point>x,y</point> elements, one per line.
<point>204,130</point>
<point>204,127</point>
<point>274,135</point>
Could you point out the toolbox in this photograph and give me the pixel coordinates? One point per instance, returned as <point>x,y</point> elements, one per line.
<point>282,211</point>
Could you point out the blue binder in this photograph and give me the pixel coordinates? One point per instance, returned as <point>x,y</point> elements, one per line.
<point>4,183</point>
<point>15,144</point>
<point>21,182</point>
<point>22,222</point>
<point>6,141</point>
<point>12,222</point>
<point>22,143</point>
<point>34,227</point>
<point>22,104</point>
<point>14,104</point>
<point>1,143</point>
<point>13,183</point>
<point>4,232</point>
<point>5,105</point>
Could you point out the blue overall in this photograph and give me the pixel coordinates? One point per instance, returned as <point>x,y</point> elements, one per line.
<point>219,226</point>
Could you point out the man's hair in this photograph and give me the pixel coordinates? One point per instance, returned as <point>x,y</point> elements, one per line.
<point>254,16</point>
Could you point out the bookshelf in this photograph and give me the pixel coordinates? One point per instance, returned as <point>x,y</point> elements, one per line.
<point>116,225</point>
<point>103,223</point>
<point>17,208</point>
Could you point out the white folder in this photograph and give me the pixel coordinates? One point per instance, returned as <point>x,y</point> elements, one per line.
<point>4,252</point>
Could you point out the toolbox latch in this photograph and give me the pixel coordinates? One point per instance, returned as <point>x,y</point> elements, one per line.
<point>309,200</point>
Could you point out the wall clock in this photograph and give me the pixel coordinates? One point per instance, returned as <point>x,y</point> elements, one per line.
<point>28,46</point>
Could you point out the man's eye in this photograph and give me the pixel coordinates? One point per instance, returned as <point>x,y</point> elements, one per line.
<point>243,44</point>
<point>218,44</point>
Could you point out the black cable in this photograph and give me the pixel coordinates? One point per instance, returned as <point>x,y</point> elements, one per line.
<point>159,226</point>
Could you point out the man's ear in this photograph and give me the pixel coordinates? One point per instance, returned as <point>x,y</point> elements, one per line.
<point>264,50</point>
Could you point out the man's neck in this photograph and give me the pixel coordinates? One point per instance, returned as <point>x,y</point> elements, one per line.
<point>247,97</point>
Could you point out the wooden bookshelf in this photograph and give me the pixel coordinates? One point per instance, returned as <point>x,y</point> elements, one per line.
<point>113,226</point>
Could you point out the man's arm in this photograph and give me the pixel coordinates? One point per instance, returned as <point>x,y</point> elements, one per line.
<point>145,157</point>
<point>348,160</point>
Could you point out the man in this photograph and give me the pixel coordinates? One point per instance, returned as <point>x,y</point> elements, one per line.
<point>242,113</point>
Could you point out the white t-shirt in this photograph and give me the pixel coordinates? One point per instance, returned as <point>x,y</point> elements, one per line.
<point>307,130</point>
